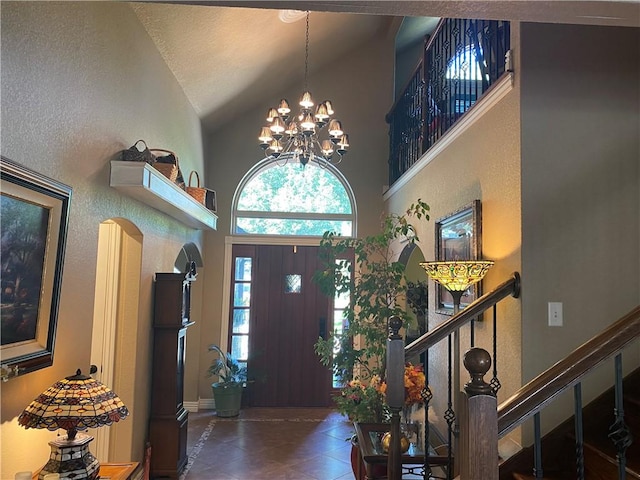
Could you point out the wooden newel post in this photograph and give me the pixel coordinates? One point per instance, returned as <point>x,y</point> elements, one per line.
<point>395,395</point>
<point>479,421</point>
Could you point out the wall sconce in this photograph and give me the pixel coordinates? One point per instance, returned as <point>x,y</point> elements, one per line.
<point>74,403</point>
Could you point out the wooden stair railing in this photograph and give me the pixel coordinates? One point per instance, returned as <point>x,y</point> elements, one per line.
<point>529,400</point>
<point>442,331</point>
<point>395,362</point>
<point>540,391</point>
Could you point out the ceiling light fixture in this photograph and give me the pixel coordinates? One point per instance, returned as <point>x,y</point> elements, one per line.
<point>297,139</point>
<point>291,16</point>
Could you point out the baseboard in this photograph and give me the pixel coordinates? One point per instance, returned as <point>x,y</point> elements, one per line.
<point>207,404</point>
<point>191,406</point>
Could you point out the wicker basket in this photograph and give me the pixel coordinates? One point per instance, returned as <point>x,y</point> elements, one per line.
<point>167,168</point>
<point>134,154</point>
<point>200,194</point>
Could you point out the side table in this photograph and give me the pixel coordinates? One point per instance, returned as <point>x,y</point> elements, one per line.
<point>373,456</point>
<point>113,471</point>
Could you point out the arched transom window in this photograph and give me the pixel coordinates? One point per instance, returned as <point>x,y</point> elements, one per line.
<point>277,199</point>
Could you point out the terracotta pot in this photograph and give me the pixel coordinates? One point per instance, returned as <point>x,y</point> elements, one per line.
<point>358,467</point>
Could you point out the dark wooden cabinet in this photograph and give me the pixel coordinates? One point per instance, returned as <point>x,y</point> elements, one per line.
<point>169,419</point>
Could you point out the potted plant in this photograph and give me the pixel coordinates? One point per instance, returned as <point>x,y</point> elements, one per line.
<point>376,286</point>
<point>232,378</point>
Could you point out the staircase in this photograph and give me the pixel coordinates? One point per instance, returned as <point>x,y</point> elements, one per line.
<point>479,413</point>
<point>558,447</point>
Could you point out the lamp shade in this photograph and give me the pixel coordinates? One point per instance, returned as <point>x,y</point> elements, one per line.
<point>74,403</point>
<point>457,276</point>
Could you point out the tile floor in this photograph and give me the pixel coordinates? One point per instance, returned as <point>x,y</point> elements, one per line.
<point>270,444</point>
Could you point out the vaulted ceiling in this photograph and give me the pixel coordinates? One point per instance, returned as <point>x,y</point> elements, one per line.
<point>229,56</point>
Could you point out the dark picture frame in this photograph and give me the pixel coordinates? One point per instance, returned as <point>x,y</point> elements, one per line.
<point>458,237</point>
<point>34,212</point>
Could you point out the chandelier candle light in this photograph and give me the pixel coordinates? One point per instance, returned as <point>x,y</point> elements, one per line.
<point>74,403</point>
<point>297,138</point>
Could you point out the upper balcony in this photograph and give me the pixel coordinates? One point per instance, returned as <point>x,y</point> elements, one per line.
<point>462,60</point>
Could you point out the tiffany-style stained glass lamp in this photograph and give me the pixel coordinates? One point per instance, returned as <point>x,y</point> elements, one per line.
<point>457,276</point>
<point>74,403</point>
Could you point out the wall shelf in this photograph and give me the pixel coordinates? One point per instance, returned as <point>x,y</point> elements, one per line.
<point>141,181</point>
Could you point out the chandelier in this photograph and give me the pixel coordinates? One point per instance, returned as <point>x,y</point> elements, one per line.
<point>297,138</point>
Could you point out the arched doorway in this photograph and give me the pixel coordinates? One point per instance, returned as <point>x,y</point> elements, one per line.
<point>275,311</point>
<point>115,328</point>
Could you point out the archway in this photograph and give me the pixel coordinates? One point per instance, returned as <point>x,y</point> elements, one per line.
<point>115,327</point>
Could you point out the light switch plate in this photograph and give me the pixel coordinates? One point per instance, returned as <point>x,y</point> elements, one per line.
<point>555,314</point>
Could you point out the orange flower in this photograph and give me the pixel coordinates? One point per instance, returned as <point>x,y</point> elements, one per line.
<point>414,383</point>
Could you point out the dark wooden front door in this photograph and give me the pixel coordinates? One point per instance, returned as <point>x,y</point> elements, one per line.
<point>289,313</point>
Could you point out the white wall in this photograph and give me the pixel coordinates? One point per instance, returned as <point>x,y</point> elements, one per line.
<point>80,82</point>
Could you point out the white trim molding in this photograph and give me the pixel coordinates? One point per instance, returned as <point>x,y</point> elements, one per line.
<point>206,404</point>
<point>191,406</point>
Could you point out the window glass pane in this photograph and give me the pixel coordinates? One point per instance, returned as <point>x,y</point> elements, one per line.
<point>243,268</point>
<point>240,346</point>
<point>291,188</point>
<point>241,294</point>
<point>338,321</point>
<point>292,283</point>
<point>240,320</point>
<point>464,66</point>
<point>341,300</point>
<point>282,226</point>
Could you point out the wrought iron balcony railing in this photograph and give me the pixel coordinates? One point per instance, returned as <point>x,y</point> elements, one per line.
<point>462,59</point>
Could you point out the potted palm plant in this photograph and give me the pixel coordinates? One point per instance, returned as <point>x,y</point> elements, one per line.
<point>232,378</point>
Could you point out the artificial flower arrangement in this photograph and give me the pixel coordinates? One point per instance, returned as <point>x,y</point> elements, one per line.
<point>365,402</point>
<point>362,402</point>
<point>414,384</point>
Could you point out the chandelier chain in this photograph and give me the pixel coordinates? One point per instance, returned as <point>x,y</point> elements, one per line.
<point>297,138</point>
<point>306,54</point>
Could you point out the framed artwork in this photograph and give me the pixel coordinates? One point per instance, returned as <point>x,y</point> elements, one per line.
<point>458,237</point>
<point>34,211</point>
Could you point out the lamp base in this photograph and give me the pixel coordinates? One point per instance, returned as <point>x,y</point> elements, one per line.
<point>71,459</point>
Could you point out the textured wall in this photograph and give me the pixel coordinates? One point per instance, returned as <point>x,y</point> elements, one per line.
<point>360,85</point>
<point>483,163</point>
<point>80,82</point>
